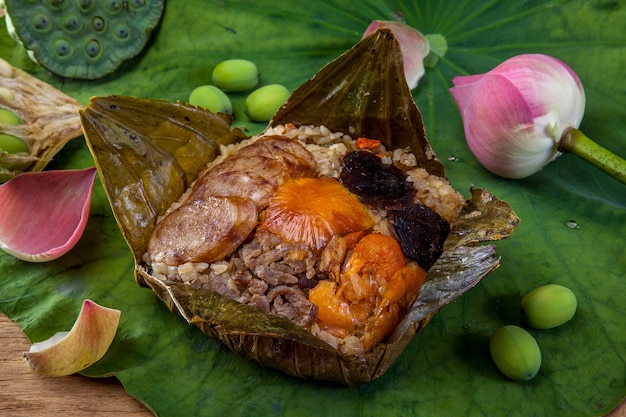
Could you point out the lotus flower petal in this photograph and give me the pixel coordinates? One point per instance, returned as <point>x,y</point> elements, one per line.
<point>413,45</point>
<point>502,137</point>
<point>66,353</point>
<point>515,115</point>
<point>43,214</point>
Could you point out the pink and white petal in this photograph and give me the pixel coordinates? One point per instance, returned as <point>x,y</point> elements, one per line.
<point>548,85</point>
<point>89,339</point>
<point>460,80</point>
<point>499,128</point>
<point>44,214</point>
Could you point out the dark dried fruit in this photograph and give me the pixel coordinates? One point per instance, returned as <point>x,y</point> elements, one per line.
<point>374,182</point>
<point>421,233</point>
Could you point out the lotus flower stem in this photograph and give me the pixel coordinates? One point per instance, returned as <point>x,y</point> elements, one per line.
<point>576,142</point>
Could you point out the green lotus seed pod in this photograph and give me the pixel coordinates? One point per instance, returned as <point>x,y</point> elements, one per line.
<point>9,143</point>
<point>548,306</point>
<point>84,39</point>
<point>235,75</point>
<point>211,98</point>
<point>263,102</point>
<point>515,352</point>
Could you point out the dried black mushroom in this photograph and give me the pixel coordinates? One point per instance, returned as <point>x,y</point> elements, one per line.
<point>376,183</point>
<point>421,233</point>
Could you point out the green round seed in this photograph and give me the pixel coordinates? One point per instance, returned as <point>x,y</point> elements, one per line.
<point>211,98</point>
<point>72,23</point>
<point>548,306</point>
<point>98,24</point>
<point>57,4</point>
<point>92,49</point>
<point>235,75</point>
<point>63,48</point>
<point>263,102</point>
<point>86,5</point>
<point>42,23</point>
<point>9,118</point>
<point>9,143</point>
<point>121,31</point>
<point>515,352</point>
<point>114,6</point>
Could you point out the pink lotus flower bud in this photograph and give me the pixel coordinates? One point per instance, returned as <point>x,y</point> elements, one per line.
<point>515,115</point>
<point>413,45</point>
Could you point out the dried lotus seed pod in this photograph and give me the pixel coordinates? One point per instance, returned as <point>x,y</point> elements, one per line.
<point>10,143</point>
<point>84,39</point>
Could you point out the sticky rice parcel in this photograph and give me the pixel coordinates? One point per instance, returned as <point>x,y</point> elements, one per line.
<point>333,233</point>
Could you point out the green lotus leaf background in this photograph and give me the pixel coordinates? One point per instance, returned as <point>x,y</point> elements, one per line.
<point>446,370</point>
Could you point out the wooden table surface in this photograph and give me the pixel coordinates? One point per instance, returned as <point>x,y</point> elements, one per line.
<point>26,394</point>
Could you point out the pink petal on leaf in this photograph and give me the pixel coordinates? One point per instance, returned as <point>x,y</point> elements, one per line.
<point>413,45</point>
<point>43,214</point>
<point>86,342</point>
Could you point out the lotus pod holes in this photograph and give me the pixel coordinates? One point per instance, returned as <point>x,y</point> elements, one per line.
<point>84,39</point>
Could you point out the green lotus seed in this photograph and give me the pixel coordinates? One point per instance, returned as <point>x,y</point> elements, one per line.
<point>9,118</point>
<point>97,23</point>
<point>57,4</point>
<point>86,5</point>
<point>114,6</point>
<point>549,306</point>
<point>72,24</point>
<point>62,48</point>
<point>211,98</point>
<point>42,23</point>
<point>9,143</point>
<point>235,75</point>
<point>263,102</point>
<point>92,49</point>
<point>121,31</point>
<point>515,352</point>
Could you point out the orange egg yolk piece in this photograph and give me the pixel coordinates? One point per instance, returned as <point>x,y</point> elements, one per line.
<point>312,210</point>
<point>377,254</point>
